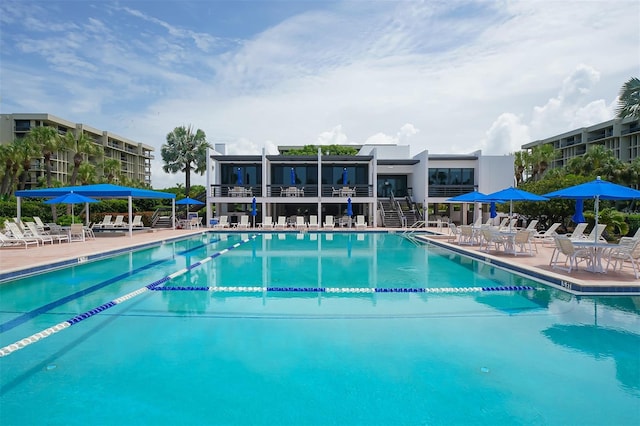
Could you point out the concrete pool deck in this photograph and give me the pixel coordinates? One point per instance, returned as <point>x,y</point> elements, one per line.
<point>19,261</point>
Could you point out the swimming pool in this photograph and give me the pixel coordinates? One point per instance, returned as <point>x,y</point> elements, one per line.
<point>313,329</point>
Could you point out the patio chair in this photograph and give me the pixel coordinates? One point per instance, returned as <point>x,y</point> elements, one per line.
<point>465,236</point>
<point>195,222</point>
<point>360,222</point>
<point>578,232</point>
<point>628,250</point>
<point>313,222</point>
<point>329,222</point>
<point>478,222</point>
<point>32,231</point>
<point>300,223</point>
<point>522,243</point>
<point>76,232</point>
<point>281,223</point>
<point>88,231</point>
<point>491,238</point>
<point>572,255</point>
<point>267,223</point>
<point>105,222</point>
<point>244,222</point>
<point>222,223</point>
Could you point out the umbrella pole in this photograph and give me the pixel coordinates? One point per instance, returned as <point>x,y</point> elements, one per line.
<point>597,208</point>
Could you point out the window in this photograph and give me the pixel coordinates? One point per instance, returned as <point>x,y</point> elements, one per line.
<point>250,174</point>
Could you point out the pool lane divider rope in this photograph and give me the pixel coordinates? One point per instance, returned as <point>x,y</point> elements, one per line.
<point>256,289</point>
<point>9,349</point>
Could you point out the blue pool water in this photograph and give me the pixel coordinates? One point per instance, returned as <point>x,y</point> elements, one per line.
<point>224,352</point>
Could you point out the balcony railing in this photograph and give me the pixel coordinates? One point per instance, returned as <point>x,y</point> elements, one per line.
<point>291,191</point>
<point>449,190</point>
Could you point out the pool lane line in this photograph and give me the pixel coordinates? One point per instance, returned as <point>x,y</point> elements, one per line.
<point>20,344</point>
<point>56,303</point>
<point>257,289</point>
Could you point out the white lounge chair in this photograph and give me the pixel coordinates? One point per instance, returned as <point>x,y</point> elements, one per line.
<point>282,222</point>
<point>17,234</point>
<point>32,231</point>
<point>313,222</point>
<point>596,233</point>
<point>222,223</point>
<point>300,224</point>
<point>119,222</point>
<point>267,223</point>
<point>546,236</point>
<point>105,222</point>
<point>137,222</point>
<point>578,232</point>
<point>6,241</point>
<point>329,222</point>
<point>42,228</point>
<point>360,222</point>
<point>244,222</point>
<point>531,226</point>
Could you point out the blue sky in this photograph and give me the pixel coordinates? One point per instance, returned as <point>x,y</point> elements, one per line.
<point>447,76</point>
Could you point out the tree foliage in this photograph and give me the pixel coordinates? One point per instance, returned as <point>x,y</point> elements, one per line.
<point>185,151</point>
<point>326,150</point>
<point>629,99</point>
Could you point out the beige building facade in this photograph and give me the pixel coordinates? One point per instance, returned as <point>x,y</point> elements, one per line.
<point>134,157</point>
<point>622,136</point>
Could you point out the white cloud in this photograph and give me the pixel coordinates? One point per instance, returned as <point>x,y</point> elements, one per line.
<point>490,75</point>
<point>507,134</point>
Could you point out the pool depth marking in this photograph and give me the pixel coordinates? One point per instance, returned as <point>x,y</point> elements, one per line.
<point>9,349</point>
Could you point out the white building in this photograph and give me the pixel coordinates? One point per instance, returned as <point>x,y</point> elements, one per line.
<point>383,183</point>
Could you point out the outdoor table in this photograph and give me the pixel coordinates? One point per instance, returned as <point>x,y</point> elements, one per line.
<point>597,249</point>
<point>347,192</point>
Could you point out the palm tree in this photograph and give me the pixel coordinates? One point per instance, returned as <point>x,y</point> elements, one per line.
<point>111,168</point>
<point>8,157</point>
<point>540,157</point>
<point>50,142</point>
<point>185,151</point>
<point>87,173</point>
<point>629,99</point>
<point>82,146</point>
<point>28,151</point>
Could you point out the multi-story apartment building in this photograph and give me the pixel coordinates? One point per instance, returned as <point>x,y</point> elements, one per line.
<point>622,136</point>
<point>377,179</point>
<point>134,157</point>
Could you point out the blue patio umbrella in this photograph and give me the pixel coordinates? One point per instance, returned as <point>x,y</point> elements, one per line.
<point>578,217</point>
<point>293,176</point>
<point>189,202</point>
<point>597,190</point>
<point>344,176</point>
<point>470,197</point>
<point>71,198</point>
<point>254,211</point>
<point>349,210</point>
<point>492,210</point>
<point>512,194</point>
<point>239,174</point>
